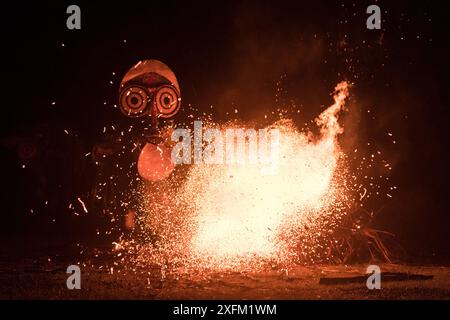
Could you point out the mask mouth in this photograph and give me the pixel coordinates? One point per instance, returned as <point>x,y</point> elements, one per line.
<point>154,162</point>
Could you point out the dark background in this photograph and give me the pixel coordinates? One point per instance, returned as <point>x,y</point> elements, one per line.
<point>231,55</point>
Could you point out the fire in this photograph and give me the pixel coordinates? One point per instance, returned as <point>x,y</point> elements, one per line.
<point>240,211</point>
<point>228,216</point>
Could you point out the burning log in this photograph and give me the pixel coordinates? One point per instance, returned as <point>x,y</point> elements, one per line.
<point>386,276</point>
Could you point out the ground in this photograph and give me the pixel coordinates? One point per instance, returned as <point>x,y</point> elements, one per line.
<point>44,279</point>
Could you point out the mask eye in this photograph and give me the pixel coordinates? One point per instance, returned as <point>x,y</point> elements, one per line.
<point>167,101</point>
<point>134,101</point>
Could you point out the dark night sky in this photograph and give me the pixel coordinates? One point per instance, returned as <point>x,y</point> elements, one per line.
<point>230,54</point>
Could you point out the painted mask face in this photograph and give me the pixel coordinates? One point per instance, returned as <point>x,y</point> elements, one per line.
<point>149,88</point>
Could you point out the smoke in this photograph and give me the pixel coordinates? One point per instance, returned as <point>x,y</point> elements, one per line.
<point>265,58</point>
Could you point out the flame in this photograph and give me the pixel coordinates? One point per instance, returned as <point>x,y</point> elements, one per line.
<point>228,216</point>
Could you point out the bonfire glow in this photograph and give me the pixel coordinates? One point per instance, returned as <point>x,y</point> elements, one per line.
<point>227,216</point>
